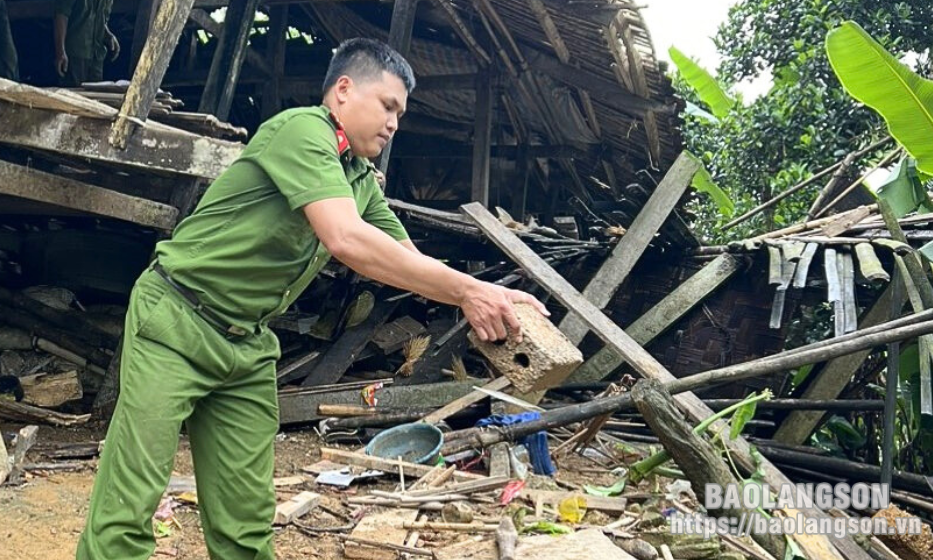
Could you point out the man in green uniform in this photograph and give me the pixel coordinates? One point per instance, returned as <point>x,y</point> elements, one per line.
<point>197,347</point>
<point>82,39</point>
<point>9,67</point>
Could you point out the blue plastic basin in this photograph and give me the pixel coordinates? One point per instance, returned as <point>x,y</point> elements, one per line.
<point>414,443</point>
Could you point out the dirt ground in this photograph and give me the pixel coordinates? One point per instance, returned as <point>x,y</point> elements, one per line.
<point>43,518</point>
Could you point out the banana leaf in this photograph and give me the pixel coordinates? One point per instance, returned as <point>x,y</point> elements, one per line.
<point>706,86</point>
<point>703,182</point>
<point>873,76</point>
<point>903,191</point>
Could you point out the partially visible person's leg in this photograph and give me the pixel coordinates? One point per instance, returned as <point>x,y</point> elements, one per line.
<point>76,74</point>
<point>9,65</point>
<point>166,367</point>
<point>232,435</point>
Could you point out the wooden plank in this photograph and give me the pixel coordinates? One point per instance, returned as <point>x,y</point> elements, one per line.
<point>331,366</point>
<point>384,526</point>
<point>657,319</point>
<point>470,487</point>
<point>50,99</point>
<point>51,389</point>
<point>411,469</point>
<point>157,53</point>
<point>639,359</point>
<point>23,182</point>
<point>831,380</point>
<point>453,407</point>
<point>392,336</point>
<point>602,90</point>
<point>156,147</point>
<point>217,97</point>
<point>292,509</point>
<point>302,406</point>
<point>629,249</point>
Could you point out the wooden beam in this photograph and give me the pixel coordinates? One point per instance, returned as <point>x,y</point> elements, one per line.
<point>642,362</point>
<point>463,31</point>
<point>301,406</point>
<point>455,406</point>
<point>23,182</point>
<point>620,29</point>
<point>660,317</point>
<point>155,148</point>
<point>203,20</point>
<point>156,55</point>
<point>629,249</point>
<point>482,139</point>
<point>217,97</point>
<point>400,30</point>
<point>331,366</point>
<point>602,90</point>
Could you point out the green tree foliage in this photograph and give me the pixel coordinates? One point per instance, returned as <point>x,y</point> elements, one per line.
<point>807,121</point>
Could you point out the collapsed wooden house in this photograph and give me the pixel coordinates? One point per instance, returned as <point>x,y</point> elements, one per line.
<point>568,124</point>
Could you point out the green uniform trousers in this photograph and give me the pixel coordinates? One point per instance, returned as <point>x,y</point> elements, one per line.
<point>81,70</point>
<point>9,67</point>
<point>177,368</point>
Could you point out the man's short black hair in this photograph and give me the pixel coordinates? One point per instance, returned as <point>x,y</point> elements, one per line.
<point>363,59</point>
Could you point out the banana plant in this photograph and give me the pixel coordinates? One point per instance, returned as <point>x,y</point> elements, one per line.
<point>873,76</point>
<point>706,86</point>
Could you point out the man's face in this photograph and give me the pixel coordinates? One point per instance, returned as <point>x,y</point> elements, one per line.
<point>370,111</point>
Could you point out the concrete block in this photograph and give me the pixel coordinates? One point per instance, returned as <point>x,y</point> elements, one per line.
<point>543,359</point>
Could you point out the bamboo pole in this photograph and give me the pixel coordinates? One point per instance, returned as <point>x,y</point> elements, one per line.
<point>813,353</point>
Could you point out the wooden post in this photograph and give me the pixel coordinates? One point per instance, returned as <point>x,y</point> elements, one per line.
<point>145,15</point>
<point>277,35</point>
<point>157,53</point>
<point>635,355</point>
<point>617,267</point>
<point>403,23</point>
<point>482,138</point>
<point>228,59</point>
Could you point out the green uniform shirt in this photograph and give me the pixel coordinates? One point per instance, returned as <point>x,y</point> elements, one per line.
<point>87,21</point>
<point>248,250</point>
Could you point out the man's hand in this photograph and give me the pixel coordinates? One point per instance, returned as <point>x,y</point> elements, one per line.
<point>61,63</point>
<point>490,310</point>
<point>113,45</point>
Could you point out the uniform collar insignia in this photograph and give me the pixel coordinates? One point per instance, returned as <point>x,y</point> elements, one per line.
<point>343,143</point>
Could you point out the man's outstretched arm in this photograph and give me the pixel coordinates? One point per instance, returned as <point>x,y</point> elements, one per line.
<point>372,253</point>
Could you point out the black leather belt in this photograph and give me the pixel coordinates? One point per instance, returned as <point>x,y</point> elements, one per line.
<point>225,328</point>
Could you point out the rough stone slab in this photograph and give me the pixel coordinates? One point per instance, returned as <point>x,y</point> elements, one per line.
<point>543,359</point>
